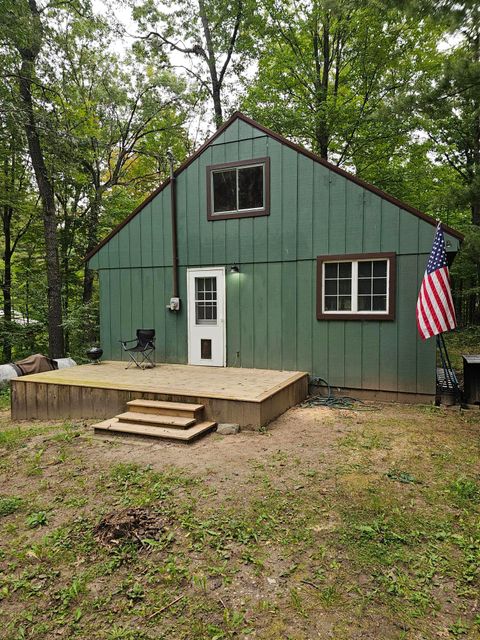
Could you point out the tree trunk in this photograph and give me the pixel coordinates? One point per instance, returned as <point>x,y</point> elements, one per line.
<point>7,285</point>
<point>45,187</point>
<point>212,66</point>
<point>476,212</point>
<point>322,68</point>
<point>217,103</point>
<point>92,241</point>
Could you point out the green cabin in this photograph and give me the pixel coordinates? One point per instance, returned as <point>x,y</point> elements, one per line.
<point>260,254</point>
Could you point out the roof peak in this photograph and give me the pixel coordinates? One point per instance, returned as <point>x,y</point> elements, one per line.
<point>239,115</point>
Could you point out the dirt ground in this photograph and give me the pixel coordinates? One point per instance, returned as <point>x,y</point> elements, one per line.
<point>329,524</point>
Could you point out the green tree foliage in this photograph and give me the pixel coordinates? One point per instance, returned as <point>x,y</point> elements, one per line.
<point>331,74</point>
<point>215,37</point>
<point>103,126</point>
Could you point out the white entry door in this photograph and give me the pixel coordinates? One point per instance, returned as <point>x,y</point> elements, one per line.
<point>206,316</point>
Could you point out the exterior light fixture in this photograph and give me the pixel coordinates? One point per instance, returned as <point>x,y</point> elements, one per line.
<point>234,268</point>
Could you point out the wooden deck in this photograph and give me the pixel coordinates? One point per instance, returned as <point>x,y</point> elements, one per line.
<point>249,397</point>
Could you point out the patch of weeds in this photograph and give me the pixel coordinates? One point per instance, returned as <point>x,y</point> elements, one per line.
<point>235,623</point>
<point>76,501</point>
<point>267,606</point>
<point>122,555</point>
<point>10,438</point>
<point>69,594</point>
<point>364,439</point>
<point>5,398</point>
<point>123,633</point>
<point>459,628</point>
<point>469,544</point>
<point>136,592</point>
<point>379,531</point>
<point>174,570</point>
<point>329,595</point>
<point>128,475</point>
<point>430,409</point>
<point>464,490</point>
<point>297,602</point>
<point>140,486</point>
<point>9,505</point>
<point>69,432</point>
<point>37,519</point>
<point>401,476</point>
<point>401,584</point>
<point>34,463</point>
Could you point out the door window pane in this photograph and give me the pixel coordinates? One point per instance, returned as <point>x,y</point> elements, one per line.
<point>206,301</point>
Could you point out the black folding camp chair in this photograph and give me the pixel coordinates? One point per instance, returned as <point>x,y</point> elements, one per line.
<point>141,354</point>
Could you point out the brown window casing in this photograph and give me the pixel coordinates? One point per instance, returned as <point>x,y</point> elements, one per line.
<point>355,315</point>
<point>247,213</point>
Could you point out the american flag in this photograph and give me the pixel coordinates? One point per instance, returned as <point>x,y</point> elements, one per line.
<point>435,312</point>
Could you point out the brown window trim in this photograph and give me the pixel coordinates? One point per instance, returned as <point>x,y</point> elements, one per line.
<point>252,213</point>
<point>348,257</point>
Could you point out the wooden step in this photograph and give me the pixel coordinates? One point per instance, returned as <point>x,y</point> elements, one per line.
<point>154,420</point>
<point>162,433</point>
<point>166,408</point>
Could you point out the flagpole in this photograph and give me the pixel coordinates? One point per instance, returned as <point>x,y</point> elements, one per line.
<point>435,311</point>
<point>449,374</point>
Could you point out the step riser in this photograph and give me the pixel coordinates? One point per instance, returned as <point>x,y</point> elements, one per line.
<point>142,436</point>
<point>156,420</point>
<point>147,423</point>
<point>179,413</point>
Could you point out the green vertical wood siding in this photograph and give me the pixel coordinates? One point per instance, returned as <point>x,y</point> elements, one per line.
<point>271,303</point>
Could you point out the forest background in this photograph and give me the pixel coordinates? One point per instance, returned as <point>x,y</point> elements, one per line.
<point>91,104</point>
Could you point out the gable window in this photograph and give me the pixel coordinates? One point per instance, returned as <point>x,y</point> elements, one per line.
<point>238,189</point>
<point>360,286</point>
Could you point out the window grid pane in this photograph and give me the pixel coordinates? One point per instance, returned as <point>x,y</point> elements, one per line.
<point>372,285</point>
<point>338,286</point>
<point>206,301</point>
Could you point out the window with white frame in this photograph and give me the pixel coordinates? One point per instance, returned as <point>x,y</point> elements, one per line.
<point>359,286</point>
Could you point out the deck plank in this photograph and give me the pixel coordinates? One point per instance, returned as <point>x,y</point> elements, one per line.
<point>252,385</point>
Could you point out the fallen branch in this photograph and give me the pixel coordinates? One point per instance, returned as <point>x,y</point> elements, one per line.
<point>167,606</point>
<point>311,584</point>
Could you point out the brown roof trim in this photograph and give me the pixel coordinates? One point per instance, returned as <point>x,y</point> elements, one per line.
<point>348,176</point>
<point>295,147</point>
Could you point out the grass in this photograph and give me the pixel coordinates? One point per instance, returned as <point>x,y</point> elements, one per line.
<point>460,342</point>
<point>369,528</point>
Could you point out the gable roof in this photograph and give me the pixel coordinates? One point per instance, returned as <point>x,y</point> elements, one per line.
<point>296,147</point>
